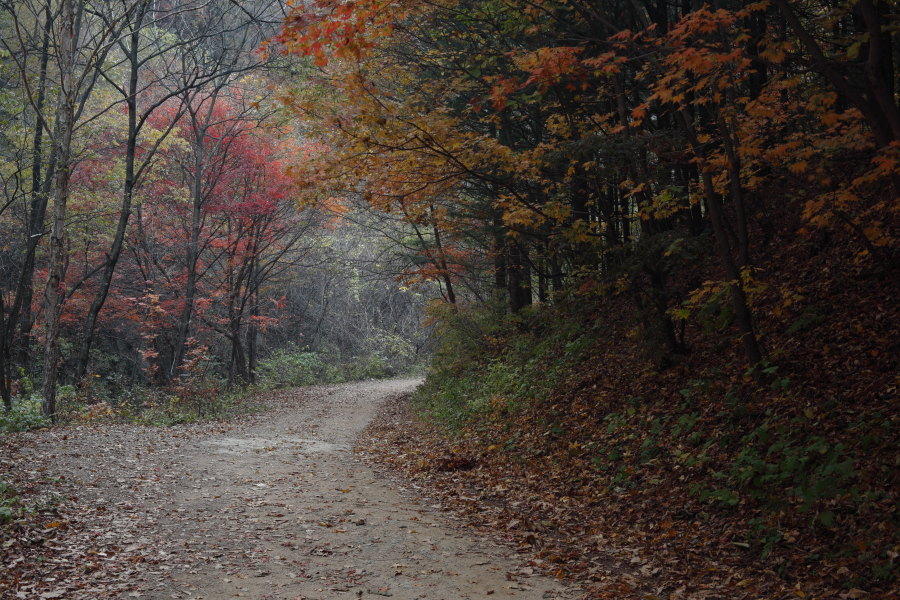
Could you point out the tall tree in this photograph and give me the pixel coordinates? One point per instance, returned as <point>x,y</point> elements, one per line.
<point>600,138</point>
<point>162,65</point>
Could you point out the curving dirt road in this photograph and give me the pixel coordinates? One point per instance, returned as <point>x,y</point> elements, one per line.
<point>277,508</point>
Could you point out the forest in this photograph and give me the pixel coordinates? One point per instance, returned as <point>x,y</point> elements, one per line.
<point>644,252</point>
<point>152,236</point>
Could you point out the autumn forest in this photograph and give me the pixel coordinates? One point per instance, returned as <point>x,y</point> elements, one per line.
<point>643,252</point>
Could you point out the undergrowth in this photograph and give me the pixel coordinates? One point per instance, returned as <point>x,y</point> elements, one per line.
<point>25,415</point>
<point>491,361</point>
<point>708,443</point>
<point>293,366</point>
<point>202,398</point>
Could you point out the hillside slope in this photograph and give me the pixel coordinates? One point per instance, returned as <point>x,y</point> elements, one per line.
<point>561,429</point>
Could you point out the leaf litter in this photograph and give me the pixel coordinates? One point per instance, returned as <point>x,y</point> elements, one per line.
<point>123,511</point>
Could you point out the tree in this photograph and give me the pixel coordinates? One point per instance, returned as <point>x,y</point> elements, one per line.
<point>160,69</point>
<point>600,136</point>
<point>147,53</point>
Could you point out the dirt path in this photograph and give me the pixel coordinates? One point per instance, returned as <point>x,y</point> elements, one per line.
<point>279,508</point>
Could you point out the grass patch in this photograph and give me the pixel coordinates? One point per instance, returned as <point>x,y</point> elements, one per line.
<point>489,361</point>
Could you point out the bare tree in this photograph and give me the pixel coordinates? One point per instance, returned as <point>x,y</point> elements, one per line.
<point>79,37</point>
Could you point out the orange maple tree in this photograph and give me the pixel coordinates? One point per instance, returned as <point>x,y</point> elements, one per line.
<point>570,133</point>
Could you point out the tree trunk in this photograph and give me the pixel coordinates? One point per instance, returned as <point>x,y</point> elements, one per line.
<point>238,369</point>
<point>190,291</point>
<point>237,372</point>
<point>742,312</point>
<point>21,315</point>
<point>20,311</point>
<point>738,298</point>
<point>115,252</point>
<point>880,111</point>
<point>518,278</point>
<point>737,190</point>
<point>65,123</point>
<point>442,264</point>
<point>499,253</point>
<point>5,374</point>
<point>252,334</point>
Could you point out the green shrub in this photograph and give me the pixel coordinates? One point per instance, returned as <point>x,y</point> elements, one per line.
<point>25,415</point>
<point>291,367</point>
<point>449,404</point>
<point>195,400</point>
<point>391,353</point>
<point>784,471</point>
<point>373,366</point>
<point>811,469</point>
<point>9,502</point>
<point>490,360</point>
